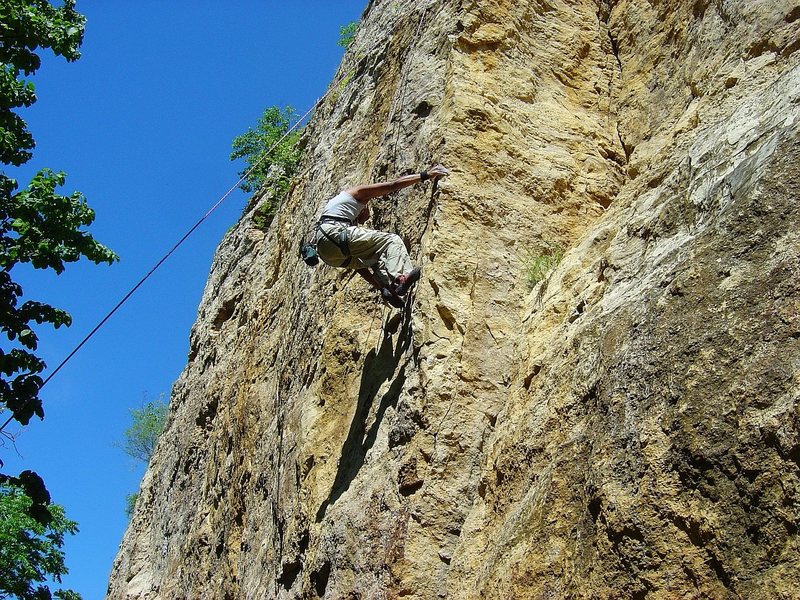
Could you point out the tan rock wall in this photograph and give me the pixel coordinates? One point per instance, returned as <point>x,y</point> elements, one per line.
<point>628,428</point>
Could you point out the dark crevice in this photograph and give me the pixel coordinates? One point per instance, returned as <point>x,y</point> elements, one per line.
<point>614,48</point>
<point>225,312</point>
<point>423,110</point>
<point>594,508</point>
<point>319,578</point>
<point>720,571</point>
<point>692,530</point>
<point>191,461</point>
<point>626,148</point>
<point>206,417</point>
<point>604,9</point>
<point>289,574</point>
<point>628,532</point>
<point>277,526</point>
<point>290,570</point>
<point>304,540</point>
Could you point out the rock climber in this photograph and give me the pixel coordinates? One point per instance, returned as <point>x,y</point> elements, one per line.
<point>379,257</point>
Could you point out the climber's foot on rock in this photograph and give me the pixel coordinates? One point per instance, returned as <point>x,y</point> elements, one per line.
<point>390,298</point>
<point>403,283</point>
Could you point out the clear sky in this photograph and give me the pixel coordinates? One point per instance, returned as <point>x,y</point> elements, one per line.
<point>142,124</point>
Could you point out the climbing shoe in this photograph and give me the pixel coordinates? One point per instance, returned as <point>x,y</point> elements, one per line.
<point>403,283</point>
<point>391,298</point>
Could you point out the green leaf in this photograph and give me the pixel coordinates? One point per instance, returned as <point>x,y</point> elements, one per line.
<point>270,168</point>
<point>347,34</point>
<point>30,546</point>
<point>147,423</point>
<point>47,230</point>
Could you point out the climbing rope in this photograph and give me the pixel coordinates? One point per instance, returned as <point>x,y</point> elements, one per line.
<point>404,86</point>
<point>430,214</point>
<point>172,250</point>
<point>433,203</point>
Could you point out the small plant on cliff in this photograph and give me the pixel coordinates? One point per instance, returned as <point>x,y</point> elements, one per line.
<point>272,171</point>
<point>147,423</point>
<point>342,85</point>
<point>347,34</point>
<point>30,548</point>
<point>263,216</point>
<point>130,503</point>
<point>538,264</point>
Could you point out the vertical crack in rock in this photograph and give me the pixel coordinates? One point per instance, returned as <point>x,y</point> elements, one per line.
<point>604,10</point>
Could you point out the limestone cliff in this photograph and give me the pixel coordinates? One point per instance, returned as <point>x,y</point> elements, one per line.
<point>629,428</point>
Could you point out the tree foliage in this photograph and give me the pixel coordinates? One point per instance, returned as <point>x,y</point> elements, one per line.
<point>269,171</point>
<point>37,225</point>
<point>130,503</point>
<point>147,423</point>
<point>44,229</point>
<point>30,551</point>
<point>26,26</point>
<point>347,34</point>
<point>141,437</point>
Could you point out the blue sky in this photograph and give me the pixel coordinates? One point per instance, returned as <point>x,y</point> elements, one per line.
<point>142,124</point>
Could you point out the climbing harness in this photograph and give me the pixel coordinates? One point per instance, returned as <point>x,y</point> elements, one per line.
<point>343,243</point>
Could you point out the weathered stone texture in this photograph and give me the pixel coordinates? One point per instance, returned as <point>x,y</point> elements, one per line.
<point>626,429</point>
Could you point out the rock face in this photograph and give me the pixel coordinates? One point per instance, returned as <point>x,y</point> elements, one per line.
<point>628,428</point>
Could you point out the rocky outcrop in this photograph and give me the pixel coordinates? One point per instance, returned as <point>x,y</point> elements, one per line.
<point>626,428</point>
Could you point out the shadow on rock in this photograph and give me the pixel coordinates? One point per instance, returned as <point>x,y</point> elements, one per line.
<point>379,368</point>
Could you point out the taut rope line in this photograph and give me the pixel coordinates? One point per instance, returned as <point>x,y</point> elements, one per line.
<point>172,250</point>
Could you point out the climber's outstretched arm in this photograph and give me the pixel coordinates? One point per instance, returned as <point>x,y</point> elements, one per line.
<point>365,193</point>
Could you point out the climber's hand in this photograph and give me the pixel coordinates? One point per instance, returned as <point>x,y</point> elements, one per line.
<point>438,171</point>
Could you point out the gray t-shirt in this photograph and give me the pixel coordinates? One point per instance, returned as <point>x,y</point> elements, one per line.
<point>343,206</point>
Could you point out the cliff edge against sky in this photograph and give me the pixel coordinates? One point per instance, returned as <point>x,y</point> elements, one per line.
<point>626,429</point>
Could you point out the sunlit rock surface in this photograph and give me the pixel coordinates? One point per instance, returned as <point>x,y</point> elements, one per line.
<point>628,428</point>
